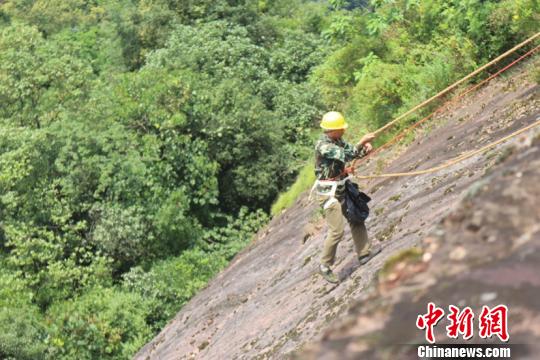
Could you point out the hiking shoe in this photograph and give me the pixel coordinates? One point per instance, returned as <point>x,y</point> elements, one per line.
<point>374,251</point>
<point>328,275</point>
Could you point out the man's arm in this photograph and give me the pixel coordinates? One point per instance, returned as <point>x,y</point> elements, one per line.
<point>360,150</point>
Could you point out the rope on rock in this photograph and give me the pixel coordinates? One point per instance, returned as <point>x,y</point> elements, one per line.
<point>457,83</point>
<point>399,136</point>
<point>456,159</point>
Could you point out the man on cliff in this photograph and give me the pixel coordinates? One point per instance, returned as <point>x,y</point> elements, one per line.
<point>331,155</point>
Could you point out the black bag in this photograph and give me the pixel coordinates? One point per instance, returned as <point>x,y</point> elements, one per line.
<point>354,203</point>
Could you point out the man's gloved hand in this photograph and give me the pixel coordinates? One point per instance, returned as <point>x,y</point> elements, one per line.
<point>368,147</point>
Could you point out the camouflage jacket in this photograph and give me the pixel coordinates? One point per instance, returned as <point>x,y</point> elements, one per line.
<point>332,155</point>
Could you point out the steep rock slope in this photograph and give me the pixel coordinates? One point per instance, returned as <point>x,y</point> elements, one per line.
<point>270,301</point>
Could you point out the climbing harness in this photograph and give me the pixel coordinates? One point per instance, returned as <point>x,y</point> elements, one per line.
<point>327,188</point>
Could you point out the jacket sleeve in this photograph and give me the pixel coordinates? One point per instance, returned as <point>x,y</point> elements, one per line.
<point>351,152</point>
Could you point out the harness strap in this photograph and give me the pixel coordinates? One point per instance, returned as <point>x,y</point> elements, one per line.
<point>326,187</point>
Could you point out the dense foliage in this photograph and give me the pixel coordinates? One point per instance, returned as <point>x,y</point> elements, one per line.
<point>142,142</point>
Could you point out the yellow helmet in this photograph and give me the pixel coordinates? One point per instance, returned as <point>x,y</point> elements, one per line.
<point>333,120</point>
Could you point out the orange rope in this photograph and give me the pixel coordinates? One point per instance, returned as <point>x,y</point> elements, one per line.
<point>352,168</point>
<point>440,109</point>
<point>449,88</point>
<point>456,159</point>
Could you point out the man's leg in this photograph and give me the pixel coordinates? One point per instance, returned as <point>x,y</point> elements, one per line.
<point>336,227</point>
<point>362,243</point>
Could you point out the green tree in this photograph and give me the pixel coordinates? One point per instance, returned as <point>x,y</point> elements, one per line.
<point>37,81</point>
<point>102,323</point>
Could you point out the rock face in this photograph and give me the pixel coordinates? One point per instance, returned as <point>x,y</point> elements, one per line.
<point>468,235</point>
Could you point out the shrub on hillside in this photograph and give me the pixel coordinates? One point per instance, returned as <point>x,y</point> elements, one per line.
<point>102,323</point>
<point>23,331</point>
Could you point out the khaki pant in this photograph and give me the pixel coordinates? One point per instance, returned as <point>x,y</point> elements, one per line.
<point>336,229</point>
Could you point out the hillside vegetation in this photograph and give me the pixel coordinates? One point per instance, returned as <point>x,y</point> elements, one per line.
<point>143,142</point>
